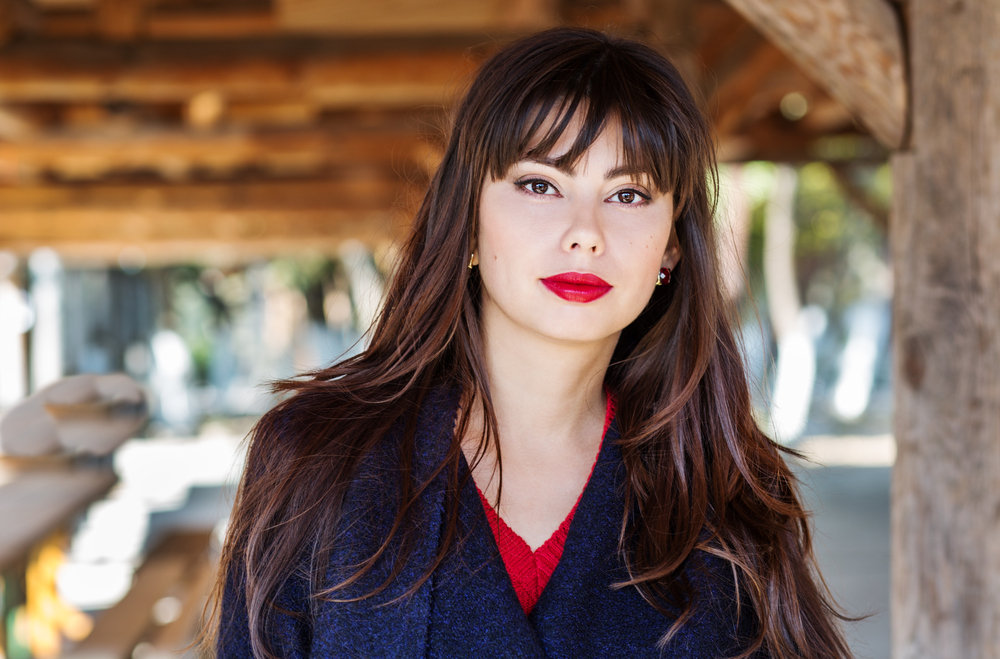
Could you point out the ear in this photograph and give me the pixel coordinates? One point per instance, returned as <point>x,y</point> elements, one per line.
<point>672,255</point>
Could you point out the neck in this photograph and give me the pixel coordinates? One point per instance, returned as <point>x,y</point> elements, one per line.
<point>547,395</point>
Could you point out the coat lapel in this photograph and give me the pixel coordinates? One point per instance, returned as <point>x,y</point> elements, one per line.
<point>468,607</point>
<point>579,613</point>
<point>475,612</point>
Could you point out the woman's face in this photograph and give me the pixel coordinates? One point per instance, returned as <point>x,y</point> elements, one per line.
<point>572,256</point>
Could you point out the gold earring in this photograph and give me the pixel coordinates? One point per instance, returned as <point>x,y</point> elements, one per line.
<point>473,261</point>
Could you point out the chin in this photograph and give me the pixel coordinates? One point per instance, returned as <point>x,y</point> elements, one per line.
<point>580,331</point>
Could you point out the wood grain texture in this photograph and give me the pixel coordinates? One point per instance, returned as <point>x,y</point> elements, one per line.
<point>852,47</point>
<point>413,16</point>
<point>119,20</point>
<point>185,221</point>
<point>176,155</point>
<point>945,229</point>
<point>328,81</point>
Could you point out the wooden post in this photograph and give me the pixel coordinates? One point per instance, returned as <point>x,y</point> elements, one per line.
<point>946,245</point>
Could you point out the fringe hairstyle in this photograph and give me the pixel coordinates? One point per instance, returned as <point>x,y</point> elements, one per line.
<point>701,474</point>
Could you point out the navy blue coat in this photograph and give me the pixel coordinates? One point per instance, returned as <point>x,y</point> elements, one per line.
<point>468,607</point>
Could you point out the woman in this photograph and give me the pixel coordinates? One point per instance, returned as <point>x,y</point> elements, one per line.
<point>547,449</point>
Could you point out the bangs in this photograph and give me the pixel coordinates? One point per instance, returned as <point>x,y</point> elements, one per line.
<point>604,90</point>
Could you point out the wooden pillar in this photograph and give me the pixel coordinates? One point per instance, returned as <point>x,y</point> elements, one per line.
<point>945,233</point>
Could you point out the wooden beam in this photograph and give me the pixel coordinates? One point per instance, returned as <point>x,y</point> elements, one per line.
<point>7,21</point>
<point>735,98</point>
<point>853,48</point>
<point>358,193</point>
<point>119,20</point>
<point>329,81</point>
<point>168,238</point>
<point>407,16</point>
<point>176,155</point>
<point>176,223</point>
<point>71,225</point>
<point>945,237</point>
<point>669,26</point>
<point>210,24</point>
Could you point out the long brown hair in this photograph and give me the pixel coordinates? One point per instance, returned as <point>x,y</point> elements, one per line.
<point>701,475</point>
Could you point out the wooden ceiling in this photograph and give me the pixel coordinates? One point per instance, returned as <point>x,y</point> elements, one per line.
<point>194,128</point>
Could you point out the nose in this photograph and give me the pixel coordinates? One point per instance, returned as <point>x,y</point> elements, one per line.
<point>584,232</point>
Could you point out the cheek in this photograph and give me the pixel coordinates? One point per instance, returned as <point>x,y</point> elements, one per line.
<point>645,253</point>
<point>495,240</point>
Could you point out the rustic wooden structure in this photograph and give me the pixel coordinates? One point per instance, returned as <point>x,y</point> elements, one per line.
<point>185,127</point>
<point>946,237</point>
<point>238,128</point>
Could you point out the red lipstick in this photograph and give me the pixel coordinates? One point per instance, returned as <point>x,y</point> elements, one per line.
<point>577,286</point>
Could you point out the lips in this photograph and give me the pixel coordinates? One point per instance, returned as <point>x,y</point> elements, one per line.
<point>577,286</point>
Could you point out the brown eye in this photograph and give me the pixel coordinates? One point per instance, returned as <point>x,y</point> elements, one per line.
<point>538,186</point>
<point>629,197</point>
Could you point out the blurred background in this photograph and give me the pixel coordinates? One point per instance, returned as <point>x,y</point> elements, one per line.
<point>208,195</point>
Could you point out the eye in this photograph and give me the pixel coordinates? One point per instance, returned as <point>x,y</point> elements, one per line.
<point>630,197</point>
<point>537,186</point>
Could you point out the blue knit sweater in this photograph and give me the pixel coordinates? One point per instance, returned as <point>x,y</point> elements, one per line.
<point>468,608</point>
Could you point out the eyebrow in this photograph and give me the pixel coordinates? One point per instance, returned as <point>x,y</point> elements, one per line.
<point>567,169</point>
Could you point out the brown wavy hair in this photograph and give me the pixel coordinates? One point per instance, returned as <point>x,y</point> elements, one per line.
<point>701,474</point>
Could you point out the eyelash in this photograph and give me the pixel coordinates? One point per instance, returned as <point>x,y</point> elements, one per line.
<point>525,183</point>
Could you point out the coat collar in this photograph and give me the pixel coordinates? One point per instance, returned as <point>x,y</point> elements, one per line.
<point>468,607</point>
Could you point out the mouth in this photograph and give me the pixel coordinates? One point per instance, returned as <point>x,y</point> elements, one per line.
<point>577,286</point>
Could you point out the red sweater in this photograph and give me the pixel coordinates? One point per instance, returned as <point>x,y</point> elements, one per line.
<point>530,571</point>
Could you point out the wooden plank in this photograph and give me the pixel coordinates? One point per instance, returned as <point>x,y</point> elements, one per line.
<point>945,237</point>
<point>210,24</point>
<point>854,48</point>
<point>377,233</point>
<point>357,193</point>
<point>128,227</point>
<point>185,222</point>
<point>328,80</point>
<point>735,98</point>
<point>119,20</point>
<point>413,16</point>
<point>36,501</point>
<point>7,23</point>
<point>119,628</point>
<point>176,154</point>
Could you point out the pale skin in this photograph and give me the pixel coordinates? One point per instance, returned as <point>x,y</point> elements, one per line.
<point>546,356</point>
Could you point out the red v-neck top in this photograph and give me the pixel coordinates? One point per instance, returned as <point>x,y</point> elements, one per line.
<point>530,571</point>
